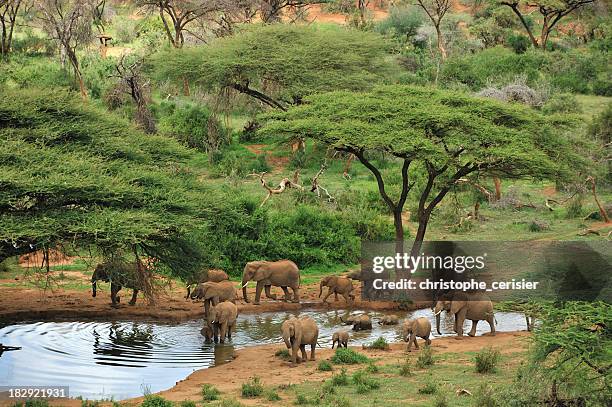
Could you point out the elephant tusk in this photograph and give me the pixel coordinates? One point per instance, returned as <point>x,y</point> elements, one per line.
<point>244,285</point>
<point>437,313</point>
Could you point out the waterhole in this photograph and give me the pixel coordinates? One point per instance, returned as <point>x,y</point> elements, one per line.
<point>119,360</point>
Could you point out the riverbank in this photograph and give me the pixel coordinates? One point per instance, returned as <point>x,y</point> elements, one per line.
<point>27,304</point>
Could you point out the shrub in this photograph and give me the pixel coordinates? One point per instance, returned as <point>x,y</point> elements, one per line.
<point>484,397</point>
<point>380,343</point>
<point>574,208</point>
<point>283,354</point>
<point>325,366</point>
<point>272,395</point>
<point>364,382</point>
<point>194,125</point>
<point>152,400</point>
<point>340,379</point>
<point>519,43</point>
<point>602,87</point>
<point>230,403</point>
<point>441,400</point>
<point>210,392</point>
<point>301,399</point>
<point>90,403</point>
<point>486,360</point>
<point>252,388</point>
<point>405,369</point>
<point>429,388</point>
<point>188,403</point>
<point>348,356</point>
<point>372,368</point>
<point>538,226</point>
<point>562,103</point>
<point>402,23</point>
<point>261,164</point>
<point>425,358</point>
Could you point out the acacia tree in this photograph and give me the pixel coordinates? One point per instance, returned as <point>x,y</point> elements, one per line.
<point>8,18</point>
<point>271,10</point>
<point>69,22</point>
<point>552,11</point>
<point>436,10</point>
<point>446,135</point>
<point>73,175</point>
<point>279,64</point>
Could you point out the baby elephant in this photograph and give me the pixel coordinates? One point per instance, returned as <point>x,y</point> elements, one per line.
<point>221,322</point>
<point>297,333</point>
<point>362,323</point>
<point>389,320</point>
<point>413,328</point>
<point>337,285</point>
<point>341,337</point>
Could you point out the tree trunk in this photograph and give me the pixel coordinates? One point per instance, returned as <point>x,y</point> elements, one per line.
<point>399,230</point>
<point>498,190</point>
<point>440,42</point>
<point>77,71</point>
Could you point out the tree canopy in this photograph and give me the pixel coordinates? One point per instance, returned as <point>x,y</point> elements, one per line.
<point>280,64</point>
<point>72,173</point>
<point>448,134</point>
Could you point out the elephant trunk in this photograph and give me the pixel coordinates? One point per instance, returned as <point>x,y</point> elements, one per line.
<point>438,324</point>
<point>321,289</point>
<point>287,340</point>
<point>93,287</point>
<point>244,290</point>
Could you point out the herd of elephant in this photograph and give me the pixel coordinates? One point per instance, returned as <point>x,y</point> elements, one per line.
<point>219,297</point>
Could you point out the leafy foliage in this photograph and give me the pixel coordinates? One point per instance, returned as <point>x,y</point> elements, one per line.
<point>284,62</point>
<point>348,357</point>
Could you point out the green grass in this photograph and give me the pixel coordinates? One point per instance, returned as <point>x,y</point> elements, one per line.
<point>210,392</point>
<point>253,388</point>
<point>348,356</point>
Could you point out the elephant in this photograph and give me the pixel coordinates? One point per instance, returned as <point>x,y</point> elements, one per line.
<point>337,285</point>
<point>120,275</point>
<point>213,275</point>
<point>214,293</point>
<point>389,320</point>
<point>222,318</point>
<point>282,273</point>
<point>413,328</point>
<point>341,337</point>
<point>359,322</point>
<point>354,275</point>
<point>473,306</point>
<point>297,333</point>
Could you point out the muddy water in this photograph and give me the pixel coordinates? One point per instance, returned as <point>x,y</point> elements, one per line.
<point>125,359</point>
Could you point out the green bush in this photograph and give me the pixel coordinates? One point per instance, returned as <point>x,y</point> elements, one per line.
<point>519,43</point>
<point>372,368</point>
<point>272,395</point>
<point>562,103</point>
<point>485,397</point>
<point>428,388</point>
<point>194,125</point>
<point>364,382</point>
<point>574,207</point>
<point>283,354</point>
<point>210,392</point>
<point>425,358</point>
<point>537,225</point>
<point>96,73</point>
<point>188,403</point>
<point>486,360</point>
<point>602,87</point>
<point>230,403</point>
<point>380,343</point>
<point>301,399</point>
<point>252,388</point>
<point>155,401</point>
<point>36,72</point>
<point>340,379</point>
<point>348,356</point>
<point>325,366</point>
<point>405,369</point>
<point>402,23</point>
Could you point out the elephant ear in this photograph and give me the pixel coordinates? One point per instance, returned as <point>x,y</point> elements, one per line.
<point>260,273</point>
<point>457,305</point>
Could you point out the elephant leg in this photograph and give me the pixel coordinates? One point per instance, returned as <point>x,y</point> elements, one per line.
<point>295,358</point>
<point>427,341</point>
<point>459,320</point>
<point>223,332</point>
<point>229,331</point>
<point>134,297</point>
<point>216,332</point>
<point>329,292</point>
<point>286,291</point>
<point>312,351</point>
<point>335,295</point>
<point>334,343</point>
<point>188,291</point>
<point>346,298</point>
<point>346,344</point>
<point>473,330</point>
<point>206,309</point>
<point>410,338</point>
<point>303,350</point>
<point>269,293</point>
<point>491,321</point>
<point>258,292</point>
<point>296,294</point>
<point>114,297</point>
<point>416,343</point>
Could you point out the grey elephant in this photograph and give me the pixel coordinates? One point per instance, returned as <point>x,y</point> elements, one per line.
<point>282,273</point>
<point>473,306</point>
<point>222,320</point>
<point>416,328</point>
<point>119,274</point>
<point>214,293</point>
<point>359,322</point>
<point>337,285</point>
<point>204,276</point>
<point>297,333</point>
<point>341,338</point>
<point>389,320</point>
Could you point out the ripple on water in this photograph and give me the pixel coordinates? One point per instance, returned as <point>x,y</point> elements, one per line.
<point>124,359</point>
